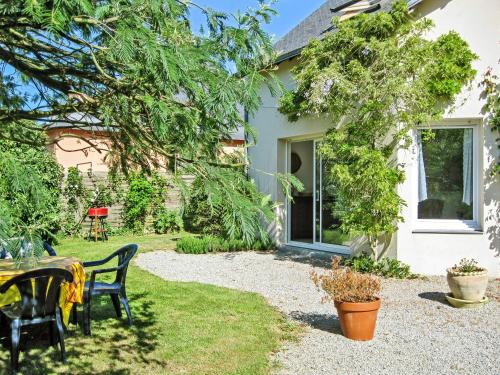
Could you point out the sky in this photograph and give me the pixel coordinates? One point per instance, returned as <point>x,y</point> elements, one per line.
<point>290,12</point>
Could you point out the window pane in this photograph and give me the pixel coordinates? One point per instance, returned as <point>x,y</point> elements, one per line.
<point>445,174</point>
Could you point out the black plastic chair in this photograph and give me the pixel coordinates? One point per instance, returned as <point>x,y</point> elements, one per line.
<point>116,289</point>
<point>38,305</point>
<point>49,249</point>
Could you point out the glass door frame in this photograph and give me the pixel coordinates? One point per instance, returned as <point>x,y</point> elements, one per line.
<point>316,245</point>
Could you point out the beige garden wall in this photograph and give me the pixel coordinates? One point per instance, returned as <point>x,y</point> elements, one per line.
<point>72,151</point>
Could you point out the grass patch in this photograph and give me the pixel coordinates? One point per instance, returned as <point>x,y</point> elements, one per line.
<point>180,328</point>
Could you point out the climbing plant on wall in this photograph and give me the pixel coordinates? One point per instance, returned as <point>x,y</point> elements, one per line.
<point>491,90</point>
<point>375,78</point>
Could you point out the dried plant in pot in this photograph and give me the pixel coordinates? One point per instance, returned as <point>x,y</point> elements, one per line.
<point>355,297</point>
<point>467,280</point>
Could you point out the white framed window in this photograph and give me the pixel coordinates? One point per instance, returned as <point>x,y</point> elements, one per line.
<point>447,172</point>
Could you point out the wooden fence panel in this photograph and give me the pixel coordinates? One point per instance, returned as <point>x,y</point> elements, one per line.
<point>115,217</point>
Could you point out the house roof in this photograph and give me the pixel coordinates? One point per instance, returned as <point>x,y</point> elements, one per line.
<point>86,122</point>
<point>76,120</point>
<point>319,23</point>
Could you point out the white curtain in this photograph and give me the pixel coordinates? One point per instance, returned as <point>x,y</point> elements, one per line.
<point>422,178</point>
<point>467,167</point>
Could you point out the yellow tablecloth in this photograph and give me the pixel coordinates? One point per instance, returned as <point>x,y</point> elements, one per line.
<point>70,292</point>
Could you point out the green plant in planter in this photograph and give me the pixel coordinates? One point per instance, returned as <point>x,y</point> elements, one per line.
<point>376,78</point>
<point>467,281</point>
<point>467,266</point>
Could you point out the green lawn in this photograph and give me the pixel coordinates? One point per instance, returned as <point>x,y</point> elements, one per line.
<point>180,328</point>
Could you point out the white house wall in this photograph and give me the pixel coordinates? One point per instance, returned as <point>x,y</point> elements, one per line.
<point>269,154</point>
<point>431,253</point>
<point>428,253</point>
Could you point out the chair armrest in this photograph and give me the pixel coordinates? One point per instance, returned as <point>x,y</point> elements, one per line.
<point>103,270</point>
<point>100,262</point>
<point>94,263</point>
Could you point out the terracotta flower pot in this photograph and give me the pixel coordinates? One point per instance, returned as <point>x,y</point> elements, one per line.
<point>469,286</point>
<point>357,319</point>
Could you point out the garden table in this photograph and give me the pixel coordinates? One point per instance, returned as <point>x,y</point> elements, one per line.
<point>70,292</point>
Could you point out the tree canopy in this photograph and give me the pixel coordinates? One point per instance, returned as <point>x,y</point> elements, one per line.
<point>136,66</point>
<point>162,90</point>
<point>375,78</point>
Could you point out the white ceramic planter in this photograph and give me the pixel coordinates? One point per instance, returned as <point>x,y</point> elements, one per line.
<point>469,286</point>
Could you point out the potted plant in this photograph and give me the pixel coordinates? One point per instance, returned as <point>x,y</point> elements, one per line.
<point>355,296</point>
<point>467,280</point>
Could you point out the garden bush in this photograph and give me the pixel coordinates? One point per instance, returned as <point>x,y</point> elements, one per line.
<point>103,192</point>
<point>167,221</point>
<point>385,267</point>
<point>230,213</point>
<point>146,197</point>
<point>199,217</point>
<point>77,198</point>
<point>30,190</point>
<point>212,244</point>
<point>137,202</point>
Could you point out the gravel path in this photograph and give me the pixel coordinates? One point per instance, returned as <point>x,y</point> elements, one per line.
<point>417,332</point>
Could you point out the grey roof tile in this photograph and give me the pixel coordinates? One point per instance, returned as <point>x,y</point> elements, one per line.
<point>316,25</point>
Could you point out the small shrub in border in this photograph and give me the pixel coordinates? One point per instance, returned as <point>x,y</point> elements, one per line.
<point>211,244</point>
<point>386,267</point>
<point>167,221</point>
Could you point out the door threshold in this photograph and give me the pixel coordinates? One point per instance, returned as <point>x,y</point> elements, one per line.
<point>338,249</point>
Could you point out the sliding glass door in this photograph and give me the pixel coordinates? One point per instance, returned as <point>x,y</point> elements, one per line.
<point>327,223</point>
<point>313,220</point>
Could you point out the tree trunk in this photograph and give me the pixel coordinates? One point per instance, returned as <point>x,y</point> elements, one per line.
<point>373,240</point>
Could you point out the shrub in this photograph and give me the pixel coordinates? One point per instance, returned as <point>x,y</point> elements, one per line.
<point>147,195</point>
<point>229,205</point>
<point>385,267</point>
<point>30,190</point>
<point>211,244</point>
<point>167,221</point>
<point>198,215</point>
<point>342,284</point>
<point>77,198</point>
<point>137,202</point>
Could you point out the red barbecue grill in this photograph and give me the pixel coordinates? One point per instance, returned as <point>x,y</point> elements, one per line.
<point>97,223</point>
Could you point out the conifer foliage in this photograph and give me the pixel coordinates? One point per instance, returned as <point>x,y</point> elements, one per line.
<point>164,91</point>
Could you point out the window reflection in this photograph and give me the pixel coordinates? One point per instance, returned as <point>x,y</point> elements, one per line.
<point>445,174</point>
